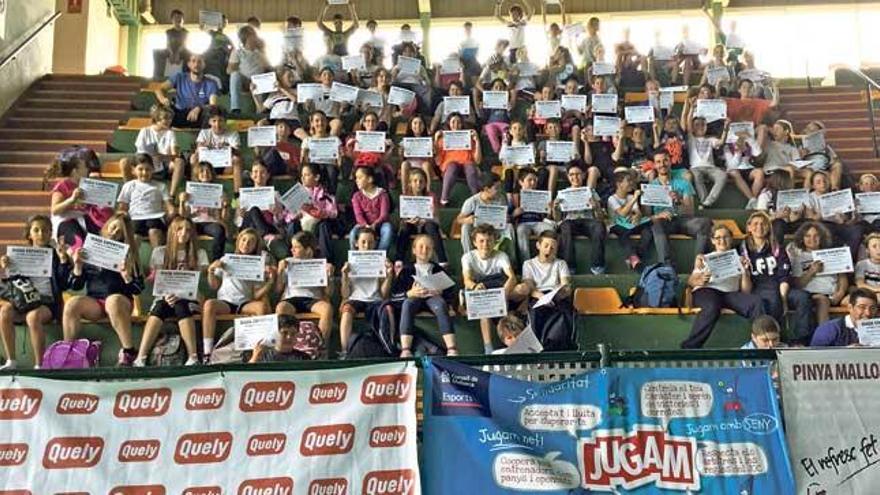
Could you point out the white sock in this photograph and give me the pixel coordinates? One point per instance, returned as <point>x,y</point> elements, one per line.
<point>208,345</point>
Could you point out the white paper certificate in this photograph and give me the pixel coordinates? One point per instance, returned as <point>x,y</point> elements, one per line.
<point>456,104</point>
<point>667,99</point>
<point>204,194</point>
<point>489,303</point>
<point>551,109</point>
<point>450,66</point>
<point>295,198</point>
<point>527,342</point>
<point>337,2</point>
<point>104,253</point>
<point>573,30</point>
<point>715,75</point>
<point>837,202</point>
<point>217,157</point>
<point>519,155</point>
<point>639,114</point>
<point>264,135</point>
<point>417,207</point>
<point>418,147</point>
<point>245,267</point>
<point>495,99</point>
<point>309,92</point>
<point>604,125</point>
<point>603,68</point>
<point>547,299</point>
<point>834,260</point>
<point>815,142</point>
<point>869,332</point>
<point>307,273</point>
<point>724,264</point>
<point>261,197</point>
<point>868,202</point>
<point>439,281</point>
<point>578,103</point>
<point>98,192</point>
<point>400,96</point>
<point>792,198</point>
<point>575,199</point>
<point>456,140</point>
<point>711,110</point>
<point>264,83</point>
<point>29,261</point>
<point>559,151</point>
<point>527,69</point>
<point>494,215</point>
<point>253,330</point>
<point>354,62</point>
<point>739,128</point>
<point>656,195</point>
<point>371,99</point>
<point>181,283</point>
<point>367,264</point>
<point>324,148</point>
<point>534,201</point>
<point>603,103</point>
<point>408,65</point>
<point>343,93</point>
<point>210,19</point>
<point>755,75</point>
<point>370,142</point>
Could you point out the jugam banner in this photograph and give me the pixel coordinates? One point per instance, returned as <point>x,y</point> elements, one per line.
<point>712,431</point>
<point>329,432</point>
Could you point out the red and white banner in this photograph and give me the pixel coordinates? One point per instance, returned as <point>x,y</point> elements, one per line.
<point>333,432</point>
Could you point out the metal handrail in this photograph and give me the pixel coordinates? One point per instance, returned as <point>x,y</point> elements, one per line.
<point>27,41</point>
<point>870,84</point>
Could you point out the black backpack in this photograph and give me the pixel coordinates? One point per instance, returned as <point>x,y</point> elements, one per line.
<point>555,328</point>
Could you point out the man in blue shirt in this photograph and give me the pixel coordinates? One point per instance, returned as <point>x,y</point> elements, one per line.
<point>842,332</point>
<point>194,90</point>
<point>678,219</point>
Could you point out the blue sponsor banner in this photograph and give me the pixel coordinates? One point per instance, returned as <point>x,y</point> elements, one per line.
<point>641,431</point>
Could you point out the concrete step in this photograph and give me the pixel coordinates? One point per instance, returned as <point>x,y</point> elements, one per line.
<point>817,89</point>
<point>23,170</point>
<point>853,97</point>
<point>855,153</point>
<point>862,165</point>
<point>62,123</point>
<point>48,145</point>
<point>32,199</point>
<point>850,142</point>
<point>11,230</point>
<point>62,134</point>
<point>88,85</point>
<point>848,132</point>
<point>862,123</point>
<point>827,113</point>
<point>797,105</point>
<point>43,158</point>
<point>80,94</point>
<point>21,214</point>
<point>95,78</point>
<point>85,104</point>
<point>33,183</point>
<point>70,113</point>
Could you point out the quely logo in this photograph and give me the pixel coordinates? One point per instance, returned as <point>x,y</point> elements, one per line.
<point>15,492</point>
<point>329,486</point>
<point>266,396</point>
<point>386,389</point>
<point>393,482</point>
<point>138,490</point>
<point>266,444</point>
<point>138,451</point>
<point>203,448</point>
<point>148,402</point>
<point>267,486</point>
<point>387,436</point>
<point>203,490</point>
<point>73,452</point>
<point>19,403</point>
<point>328,393</point>
<point>204,399</point>
<point>327,440</point>
<point>77,404</point>
<point>13,454</point>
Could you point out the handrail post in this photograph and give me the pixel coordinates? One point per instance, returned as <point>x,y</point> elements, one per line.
<point>604,359</point>
<point>871,117</point>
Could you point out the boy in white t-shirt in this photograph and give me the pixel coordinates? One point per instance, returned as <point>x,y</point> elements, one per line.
<point>362,294</point>
<point>159,141</point>
<point>146,201</point>
<point>217,136</point>
<point>519,18</point>
<point>868,269</point>
<point>701,149</point>
<point>545,272</point>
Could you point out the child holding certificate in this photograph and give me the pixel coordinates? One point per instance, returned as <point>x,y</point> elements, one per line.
<point>674,141</point>
<point>826,290</point>
<point>442,113</point>
<point>72,220</point>
<point>822,160</point>
<point>713,293</point>
<point>549,167</point>
<point>581,219</point>
<point>453,163</point>
<point>418,186</point>
<point>627,220</point>
<point>267,222</point>
<point>415,128</point>
<point>283,158</point>
<point>329,108</point>
<point>870,221</point>
<point>38,233</point>
<point>739,156</point>
<point>868,269</point>
<point>362,294</point>
<point>419,298</point>
<point>209,221</point>
<point>217,137</point>
<point>317,215</point>
<point>511,169</point>
<point>372,208</point>
<point>236,296</point>
<point>528,222</point>
<point>635,152</point>
<point>379,161</point>
<point>489,195</point>
<point>487,268</point>
<point>158,141</point>
<point>535,123</point>
<point>299,299</point>
<point>181,253</point>
<point>330,165</point>
<point>844,227</point>
<point>109,293</point>
<point>779,147</point>
<point>496,121</point>
<point>146,201</point>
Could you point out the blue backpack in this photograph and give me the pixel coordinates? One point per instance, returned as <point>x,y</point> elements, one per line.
<point>658,288</point>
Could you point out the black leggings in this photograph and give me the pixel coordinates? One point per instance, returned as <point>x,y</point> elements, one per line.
<point>711,302</point>
<point>71,230</point>
<point>253,219</point>
<point>218,237</point>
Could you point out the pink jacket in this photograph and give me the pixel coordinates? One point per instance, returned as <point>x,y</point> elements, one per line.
<point>371,211</point>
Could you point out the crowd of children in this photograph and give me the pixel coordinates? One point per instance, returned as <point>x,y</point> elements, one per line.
<point>591,149</point>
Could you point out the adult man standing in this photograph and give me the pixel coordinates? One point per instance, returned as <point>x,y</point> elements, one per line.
<point>193,91</point>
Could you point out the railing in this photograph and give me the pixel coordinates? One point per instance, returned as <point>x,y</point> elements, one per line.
<point>27,41</point>
<point>870,85</point>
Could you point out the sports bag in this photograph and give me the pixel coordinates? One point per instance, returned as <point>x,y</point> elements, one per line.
<point>77,354</point>
<point>658,287</point>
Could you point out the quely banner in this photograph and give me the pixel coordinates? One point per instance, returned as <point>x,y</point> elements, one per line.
<point>334,432</point>
<point>640,431</point>
<point>832,417</point>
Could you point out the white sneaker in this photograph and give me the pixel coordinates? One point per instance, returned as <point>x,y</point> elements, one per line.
<point>139,363</point>
<point>10,364</point>
<point>752,204</point>
<point>192,361</point>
